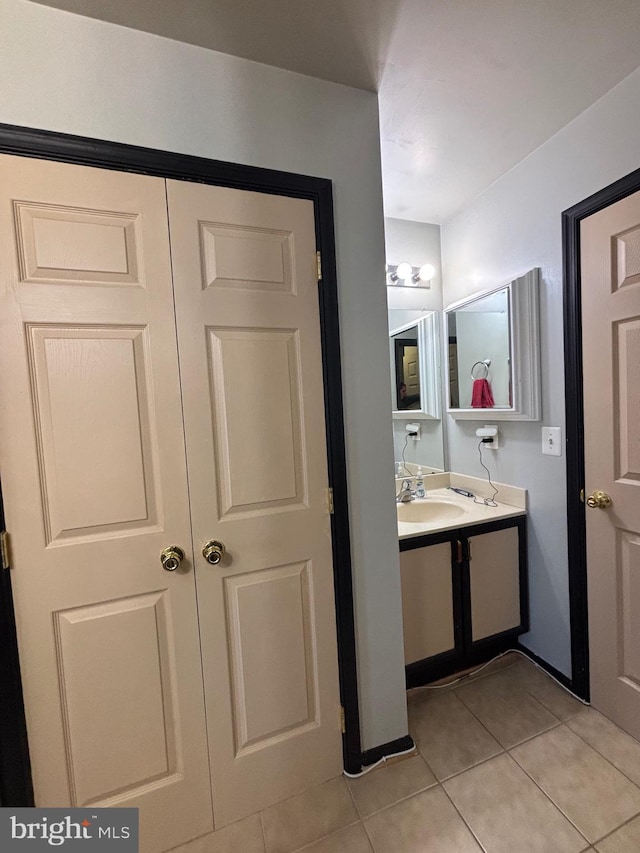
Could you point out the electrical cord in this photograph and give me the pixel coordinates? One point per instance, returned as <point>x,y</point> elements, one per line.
<point>468,675</point>
<point>404,448</point>
<point>404,461</point>
<point>383,760</point>
<point>461,678</point>
<point>492,500</point>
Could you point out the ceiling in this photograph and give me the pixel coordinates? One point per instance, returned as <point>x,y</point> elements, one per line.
<point>467,89</point>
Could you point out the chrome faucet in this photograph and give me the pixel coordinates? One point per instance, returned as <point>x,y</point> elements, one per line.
<point>406,493</point>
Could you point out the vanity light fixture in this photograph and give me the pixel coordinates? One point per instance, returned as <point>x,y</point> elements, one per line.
<point>404,275</point>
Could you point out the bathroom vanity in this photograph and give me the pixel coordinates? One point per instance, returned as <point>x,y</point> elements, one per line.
<point>463,564</point>
<point>463,571</point>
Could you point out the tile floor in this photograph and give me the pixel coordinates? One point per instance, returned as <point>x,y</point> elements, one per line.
<point>508,762</point>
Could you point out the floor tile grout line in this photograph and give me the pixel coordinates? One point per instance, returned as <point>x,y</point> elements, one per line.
<point>429,767</point>
<point>424,758</point>
<point>549,797</point>
<point>369,838</point>
<point>527,693</point>
<point>353,799</point>
<point>324,837</point>
<point>463,819</point>
<point>635,815</point>
<point>314,787</point>
<point>503,748</point>
<point>411,796</point>
<point>559,722</point>
<point>471,766</point>
<point>602,755</point>
<point>492,736</point>
<point>552,728</point>
<point>400,800</point>
<point>264,834</point>
<point>613,831</point>
<point>461,700</point>
<point>523,690</point>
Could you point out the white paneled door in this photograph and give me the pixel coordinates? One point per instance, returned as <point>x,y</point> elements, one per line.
<point>249,343</point>
<point>610,274</point>
<point>124,663</point>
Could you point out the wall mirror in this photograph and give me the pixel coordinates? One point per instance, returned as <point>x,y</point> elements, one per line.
<point>493,351</point>
<point>408,327</point>
<point>415,386</point>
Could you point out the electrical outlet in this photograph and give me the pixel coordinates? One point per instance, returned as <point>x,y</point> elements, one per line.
<point>414,431</point>
<point>552,441</point>
<point>495,444</point>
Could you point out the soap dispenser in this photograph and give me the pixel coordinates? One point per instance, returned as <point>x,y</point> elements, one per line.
<point>420,490</point>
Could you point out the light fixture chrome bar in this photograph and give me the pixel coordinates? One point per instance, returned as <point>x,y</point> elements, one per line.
<point>405,275</point>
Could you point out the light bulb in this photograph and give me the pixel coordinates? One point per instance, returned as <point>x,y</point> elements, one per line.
<point>426,272</point>
<point>404,271</point>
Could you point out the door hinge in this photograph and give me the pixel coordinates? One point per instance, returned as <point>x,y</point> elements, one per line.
<point>343,725</point>
<point>5,555</point>
<point>319,266</point>
<point>330,509</point>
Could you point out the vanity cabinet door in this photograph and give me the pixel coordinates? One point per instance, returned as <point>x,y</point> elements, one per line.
<point>494,582</point>
<point>427,601</point>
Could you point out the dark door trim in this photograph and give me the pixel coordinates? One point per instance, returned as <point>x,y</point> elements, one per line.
<point>15,774</point>
<point>15,769</point>
<point>578,609</point>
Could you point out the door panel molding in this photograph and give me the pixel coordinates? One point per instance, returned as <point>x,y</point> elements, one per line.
<point>574,407</point>
<point>15,776</point>
<point>74,507</point>
<point>92,642</point>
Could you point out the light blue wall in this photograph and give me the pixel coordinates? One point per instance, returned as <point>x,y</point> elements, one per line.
<point>513,226</point>
<point>68,73</point>
<point>417,243</point>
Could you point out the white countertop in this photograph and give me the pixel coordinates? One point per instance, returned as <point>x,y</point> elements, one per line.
<point>474,511</point>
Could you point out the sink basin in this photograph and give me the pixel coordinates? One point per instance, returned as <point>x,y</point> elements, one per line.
<point>428,511</point>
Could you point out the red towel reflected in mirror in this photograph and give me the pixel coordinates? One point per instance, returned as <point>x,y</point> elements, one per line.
<point>481,395</point>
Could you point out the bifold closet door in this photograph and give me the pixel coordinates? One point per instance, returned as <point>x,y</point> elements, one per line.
<point>250,360</point>
<point>94,479</point>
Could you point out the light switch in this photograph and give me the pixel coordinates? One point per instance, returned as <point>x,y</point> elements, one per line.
<point>551,441</point>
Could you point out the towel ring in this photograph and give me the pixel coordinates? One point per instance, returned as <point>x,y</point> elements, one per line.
<point>484,364</point>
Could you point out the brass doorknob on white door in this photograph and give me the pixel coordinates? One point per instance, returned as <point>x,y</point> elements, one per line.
<point>213,552</point>
<point>599,499</point>
<point>171,558</point>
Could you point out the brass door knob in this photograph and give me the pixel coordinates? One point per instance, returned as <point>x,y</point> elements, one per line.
<point>599,499</point>
<point>171,558</point>
<point>213,552</point>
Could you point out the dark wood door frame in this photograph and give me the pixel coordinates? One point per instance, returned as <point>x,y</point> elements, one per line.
<point>576,529</point>
<point>15,774</point>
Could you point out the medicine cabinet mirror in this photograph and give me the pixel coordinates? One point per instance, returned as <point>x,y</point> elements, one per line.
<point>414,353</point>
<point>492,344</point>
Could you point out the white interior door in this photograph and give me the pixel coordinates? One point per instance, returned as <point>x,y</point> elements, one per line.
<point>610,273</point>
<point>94,477</point>
<point>410,371</point>
<point>250,360</point>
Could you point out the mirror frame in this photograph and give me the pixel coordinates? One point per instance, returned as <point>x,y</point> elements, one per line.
<point>524,327</point>
<point>429,364</point>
